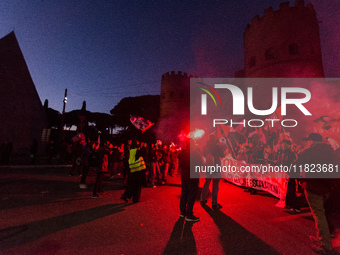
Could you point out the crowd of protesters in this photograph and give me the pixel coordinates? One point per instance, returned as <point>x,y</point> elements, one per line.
<point>321,192</point>
<point>109,159</point>
<point>149,164</point>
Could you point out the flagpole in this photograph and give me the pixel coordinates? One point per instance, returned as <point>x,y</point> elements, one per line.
<point>280,119</point>
<point>231,146</point>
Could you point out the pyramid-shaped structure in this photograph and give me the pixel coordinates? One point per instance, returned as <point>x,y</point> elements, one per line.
<point>22,117</point>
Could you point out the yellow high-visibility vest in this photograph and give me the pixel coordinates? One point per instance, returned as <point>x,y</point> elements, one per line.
<point>135,165</point>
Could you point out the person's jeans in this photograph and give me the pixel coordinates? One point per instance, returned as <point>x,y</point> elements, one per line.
<point>316,203</point>
<point>98,184</point>
<point>215,188</point>
<point>165,171</point>
<point>291,199</point>
<point>155,172</point>
<point>85,172</point>
<point>188,196</point>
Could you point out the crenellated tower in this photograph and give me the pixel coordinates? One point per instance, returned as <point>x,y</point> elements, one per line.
<point>283,43</point>
<point>175,104</point>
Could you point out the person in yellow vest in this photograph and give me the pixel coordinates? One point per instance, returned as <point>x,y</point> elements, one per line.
<point>136,175</point>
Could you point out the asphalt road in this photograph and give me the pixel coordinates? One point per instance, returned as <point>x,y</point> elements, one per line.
<point>43,211</point>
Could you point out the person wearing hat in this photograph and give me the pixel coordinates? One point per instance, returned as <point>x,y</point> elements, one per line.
<point>317,190</point>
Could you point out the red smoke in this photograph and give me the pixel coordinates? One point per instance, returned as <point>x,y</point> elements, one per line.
<point>325,103</point>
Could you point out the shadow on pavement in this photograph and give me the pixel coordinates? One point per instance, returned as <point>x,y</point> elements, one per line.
<point>19,235</point>
<point>235,239</point>
<point>182,240</point>
<point>17,193</point>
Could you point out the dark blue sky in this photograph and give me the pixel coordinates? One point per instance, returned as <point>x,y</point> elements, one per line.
<point>103,51</point>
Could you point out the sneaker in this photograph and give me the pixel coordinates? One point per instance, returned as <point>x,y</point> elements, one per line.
<point>96,196</point>
<point>203,202</point>
<point>82,186</point>
<point>314,239</point>
<point>192,219</point>
<point>182,215</point>
<point>217,207</point>
<point>124,198</point>
<point>295,210</point>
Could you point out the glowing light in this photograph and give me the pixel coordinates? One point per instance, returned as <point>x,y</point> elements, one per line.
<point>196,134</point>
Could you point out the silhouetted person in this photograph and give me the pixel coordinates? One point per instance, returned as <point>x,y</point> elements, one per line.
<point>318,189</point>
<point>33,151</point>
<point>76,159</point>
<point>50,151</point>
<point>6,151</point>
<point>190,184</point>
<point>212,151</point>
<point>287,157</point>
<point>102,169</point>
<point>87,151</point>
<point>136,175</point>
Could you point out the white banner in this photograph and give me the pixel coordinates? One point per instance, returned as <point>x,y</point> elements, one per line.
<point>274,183</point>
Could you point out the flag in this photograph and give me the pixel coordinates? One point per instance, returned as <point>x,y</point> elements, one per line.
<point>326,122</point>
<point>242,128</point>
<point>225,130</point>
<point>78,137</point>
<point>250,134</point>
<point>273,126</point>
<point>332,143</point>
<point>141,123</point>
<point>222,131</point>
<point>261,134</point>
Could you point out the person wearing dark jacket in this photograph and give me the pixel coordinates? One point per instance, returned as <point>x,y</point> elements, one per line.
<point>102,169</point>
<point>188,159</point>
<point>287,157</point>
<point>212,151</point>
<point>318,189</point>
<point>166,160</point>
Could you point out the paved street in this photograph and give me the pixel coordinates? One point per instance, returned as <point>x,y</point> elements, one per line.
<point>43,211</point>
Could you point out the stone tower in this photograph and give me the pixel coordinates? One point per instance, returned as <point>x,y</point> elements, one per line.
<point>21,112</point>
<point>283,43</point>
<point>174,106</point>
